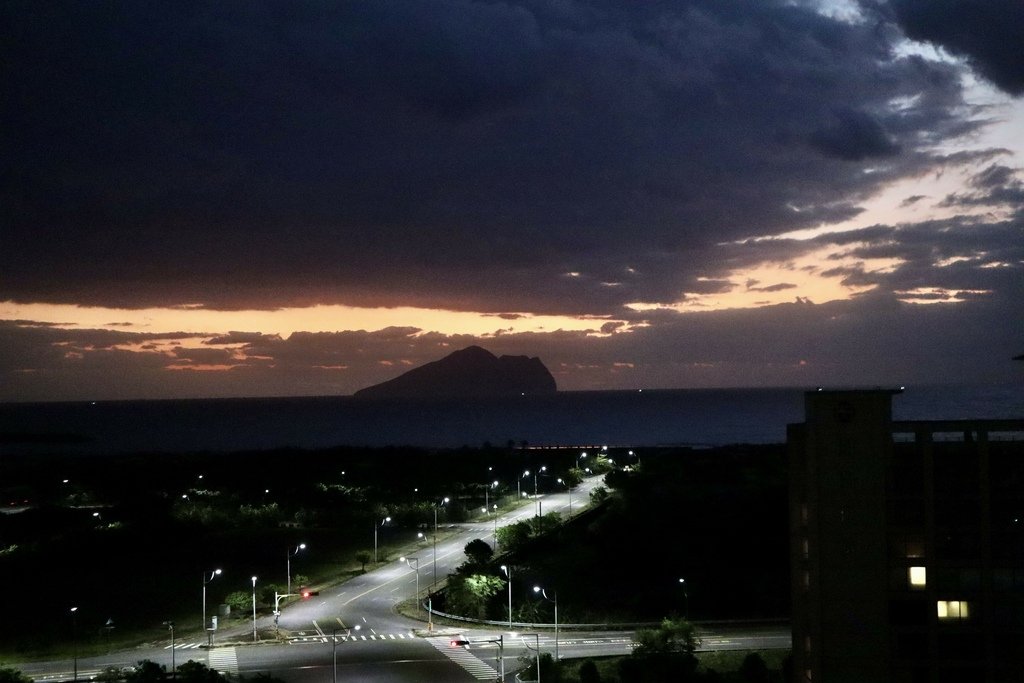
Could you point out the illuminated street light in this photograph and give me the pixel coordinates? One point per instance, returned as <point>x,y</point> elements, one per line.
<point>174,669</point>
<point>542,469</point>
<point>290,554</point>
<point>74,642</point>
<point>538,589</point>
<point>254,609</point>
<point>566,485</point>
<point>536,648</point>
<point>446,499</point>
<point>508,572</point>
<point>375,528</point>
<point>686,596</point>
<point>487,488</point>
<point>407,560</point>
<point>207,579</point>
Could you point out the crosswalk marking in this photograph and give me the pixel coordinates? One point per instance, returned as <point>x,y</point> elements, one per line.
<point>183,646</point>
<point>464,658</point>
<point>224,659</point>
<point>348,638</point>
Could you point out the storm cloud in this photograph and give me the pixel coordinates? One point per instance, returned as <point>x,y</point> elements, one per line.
<point>261,154</point>
<point>594,158</point>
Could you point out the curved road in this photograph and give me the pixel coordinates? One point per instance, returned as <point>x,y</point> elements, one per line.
<point>353,632</point>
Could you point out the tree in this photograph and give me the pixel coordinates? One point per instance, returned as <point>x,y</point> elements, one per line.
<point>662,654</point>
<point>147,671</point>
<point>8,675</point>
<point>239,601</point>
<point>550,670</point>
<point>545,524</point>
<point>478,552</point>
<point>469,595</point>
<point>513,536</point>
<point>589,672</point>
<point>266,678</point>
<point>363,557</point>
<point>196,672</point>
<point>110,674</point>
<point>753,669</point>
<point>671,637</point>
<point>598,495</point>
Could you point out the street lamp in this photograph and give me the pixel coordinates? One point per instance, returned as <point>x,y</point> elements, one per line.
<point>538,589</point>
<point>334,654</point>
<point>170,625</point>
<point>375,527</point>
<point>519,483</point>
<point>566,485</point>
<point>334,651</point>
<point>290,554</point>
<point>686,597</point>
<point>495,520</point>
<point>487,489</point>
<point>446,499</point>
<point>542,469</point>
<point>254,609</point>
<point>580,457</point>
<point>508,572</point>
<point>74,642</point>
<point>407,560</point>
<point>536,637</point>
<point>207,579</point>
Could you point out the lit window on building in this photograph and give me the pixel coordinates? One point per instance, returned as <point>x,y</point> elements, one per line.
<point>952,609</point>
<point>917,576</point>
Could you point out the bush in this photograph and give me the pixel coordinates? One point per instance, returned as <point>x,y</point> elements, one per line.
<point>8,675</point>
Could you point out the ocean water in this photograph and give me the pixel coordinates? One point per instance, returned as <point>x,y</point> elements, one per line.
<point>703,417</point>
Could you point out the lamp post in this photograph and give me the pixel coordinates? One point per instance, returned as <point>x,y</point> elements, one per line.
<point>566,485</point>
<point>519,483</point>
<point>170,625</point>
<point>538,589</point>
<point>686,597</point>
<point>542,469</point>
<point>207,579</point>
<point>508,572</point>
<point>407,560</point>
<point>445,500</point>
<point>536,637</point>
<point>580,457</point>
<point>495,531</point>
<point>334,654</point>
<point>375,527</point>
<point>74,643</point>
<point>254,609</point>
<point>290,554</point>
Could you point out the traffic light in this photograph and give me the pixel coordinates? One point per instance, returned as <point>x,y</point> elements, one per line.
<point>459,643</point>
<point>306,594</point>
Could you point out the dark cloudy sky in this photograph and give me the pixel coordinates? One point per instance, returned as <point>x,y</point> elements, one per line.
<point>279,198</point>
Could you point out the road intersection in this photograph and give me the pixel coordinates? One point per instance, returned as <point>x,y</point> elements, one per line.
<point>352,631</point>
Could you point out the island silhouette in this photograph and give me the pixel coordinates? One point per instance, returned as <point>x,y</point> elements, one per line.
<point>469,372</point>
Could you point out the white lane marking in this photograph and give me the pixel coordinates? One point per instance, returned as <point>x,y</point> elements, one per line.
<point>464,658</point>
<point>223,659</point>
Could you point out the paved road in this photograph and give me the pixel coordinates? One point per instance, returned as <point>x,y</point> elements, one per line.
<point>355,626</point>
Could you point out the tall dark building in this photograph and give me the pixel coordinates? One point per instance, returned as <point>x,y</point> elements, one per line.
<point>907,545</point>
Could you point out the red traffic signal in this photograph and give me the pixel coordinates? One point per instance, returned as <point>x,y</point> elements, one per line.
<point>459,643</point>
<point>306,594</point>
